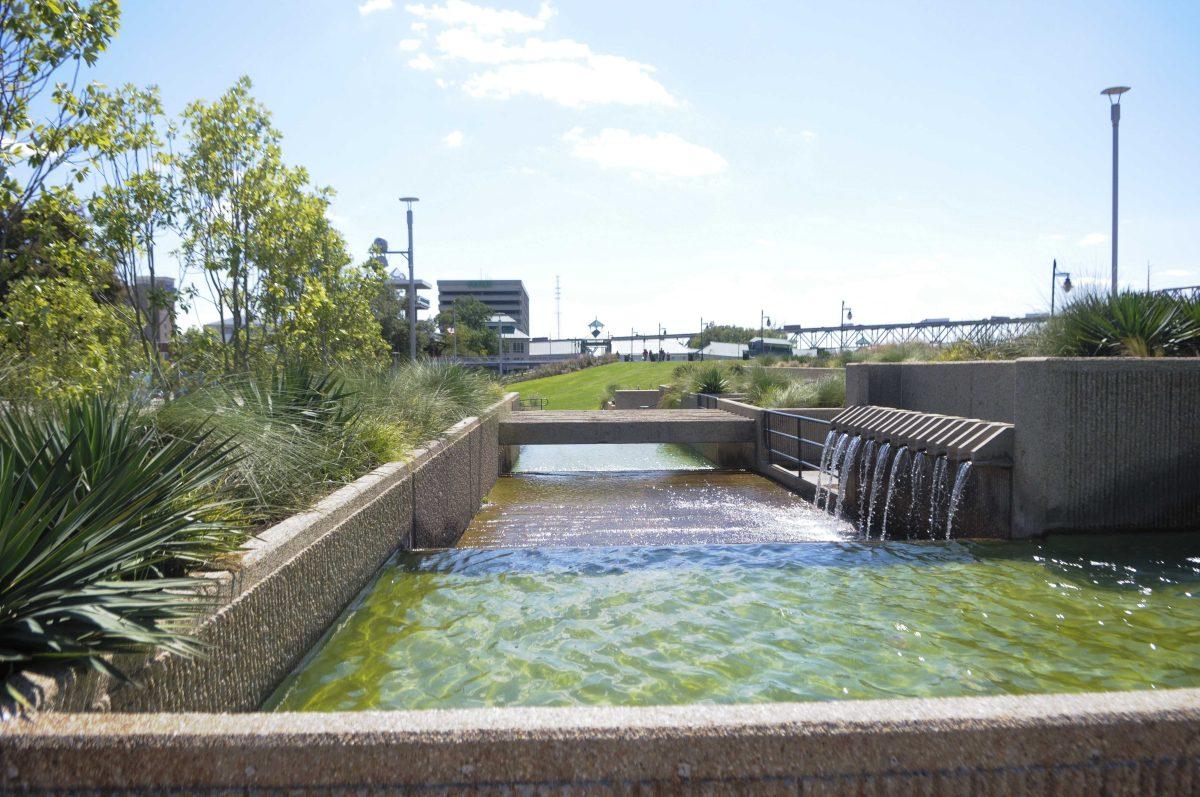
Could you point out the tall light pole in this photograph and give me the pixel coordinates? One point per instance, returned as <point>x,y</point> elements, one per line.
<point>1066,286</point>
<point>412,287</point>
<point>1114,100</point>
<point>847,315</point>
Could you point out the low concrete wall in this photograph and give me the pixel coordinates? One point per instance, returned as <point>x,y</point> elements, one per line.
<point>984,389</point>
<point>1100,445</point>
<point>1134,743</point>
<point>635,399</point>
<point>296,577</point>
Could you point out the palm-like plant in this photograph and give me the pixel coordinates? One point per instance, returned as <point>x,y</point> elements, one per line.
<point>94,505</point>
<point>1126,325</point>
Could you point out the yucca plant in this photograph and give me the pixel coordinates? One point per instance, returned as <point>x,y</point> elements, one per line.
<point>709,379</point>
<point>1126,325</point>
<point>95,506</point>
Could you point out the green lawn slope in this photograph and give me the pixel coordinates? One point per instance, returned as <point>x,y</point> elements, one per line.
<point>583,390</point>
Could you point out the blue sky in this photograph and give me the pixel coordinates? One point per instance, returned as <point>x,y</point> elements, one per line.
<point>678,160</point>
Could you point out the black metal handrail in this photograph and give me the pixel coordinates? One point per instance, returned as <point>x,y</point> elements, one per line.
<point>774,425</point>
<point>533,403</point>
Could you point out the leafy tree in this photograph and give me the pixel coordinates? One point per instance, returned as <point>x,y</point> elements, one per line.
<point>56,340</point>
<point>726,333</point>
<point>38,38</point>
<point>226,180</point>
<point>135,206</point>
<point>464,327</point>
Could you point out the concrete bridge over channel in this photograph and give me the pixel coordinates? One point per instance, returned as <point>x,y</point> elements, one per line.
<point>550,427</point>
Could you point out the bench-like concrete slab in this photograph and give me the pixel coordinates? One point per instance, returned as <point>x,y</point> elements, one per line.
<point>550,427</point>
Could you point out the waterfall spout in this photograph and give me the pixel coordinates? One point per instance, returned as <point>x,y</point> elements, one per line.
<point>897,470</point>
<point>844,473</point>
<point>960,484</point>
<point>864,478</point>
<point>881,464</point>
<point>826,453</point>
<point>937,487</point>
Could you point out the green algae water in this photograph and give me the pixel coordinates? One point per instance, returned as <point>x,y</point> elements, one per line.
<point>643,625</point>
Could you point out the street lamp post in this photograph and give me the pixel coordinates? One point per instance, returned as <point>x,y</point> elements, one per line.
<point>412,292</point>
<point>847,315</point>
<point>1114,99</point>
<point>1066,286</point>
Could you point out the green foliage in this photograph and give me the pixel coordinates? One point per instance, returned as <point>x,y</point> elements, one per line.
<point>709,379</point>
<point>465,328</point>
<point>827,392</point>
<point>725,333</point>
<point>583,389</point>
<point>95,507</point>
<point>1126,325</point>
<point>64,341</point>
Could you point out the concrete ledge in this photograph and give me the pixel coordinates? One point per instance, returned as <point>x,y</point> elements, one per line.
<point>1131,743</point>
<point>636,399</point>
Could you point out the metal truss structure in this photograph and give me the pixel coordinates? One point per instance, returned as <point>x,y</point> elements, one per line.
<point>1186,292</point>
<point>937,331</point>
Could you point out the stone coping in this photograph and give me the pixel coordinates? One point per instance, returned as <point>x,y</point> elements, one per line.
<point>1117,743</point>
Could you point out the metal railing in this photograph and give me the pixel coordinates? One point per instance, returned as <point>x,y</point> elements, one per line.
<point>783,437</point>
<point>533,403</point>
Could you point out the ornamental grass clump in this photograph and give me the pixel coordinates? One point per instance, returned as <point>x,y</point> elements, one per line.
<point>100,515</point>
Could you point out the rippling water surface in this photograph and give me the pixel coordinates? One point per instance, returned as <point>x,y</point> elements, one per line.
<point>751,623</point>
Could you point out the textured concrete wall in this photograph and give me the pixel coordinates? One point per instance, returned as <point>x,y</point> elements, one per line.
<point>985,389</point>
<point>1106,445</point>
<point>1100,445</point>
<point>635,399</point>
<point>1133,743</point>
<point>296,577</point>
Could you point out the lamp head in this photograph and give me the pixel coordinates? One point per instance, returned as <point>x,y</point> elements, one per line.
<point>849,314</point>
<point>409,200</point>
<point>1066,286</point>
<point>1114,93</point>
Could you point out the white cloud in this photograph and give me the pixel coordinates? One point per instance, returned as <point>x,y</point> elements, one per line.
<point>487,21</point>
<point>409,45</point>
<point>564,71</point>
<point>418,27</point>
<point>808,135</point>
<point>422,63</point>
<point>1174,272</point>
<point>664,155</point>
<point>603,79</point>
<point>371,6</point>
<point>1093,239</point>
<point>453,139</point>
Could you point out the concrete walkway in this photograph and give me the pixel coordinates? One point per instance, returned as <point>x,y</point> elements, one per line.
<point>552,427</point>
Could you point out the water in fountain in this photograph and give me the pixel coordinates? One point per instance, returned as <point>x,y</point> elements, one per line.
<point>936,489</point>
<point>844,471</point>
<point>881,463</point>
<point>864,478</point>
<point>826,451</point>
<point>916,481</point>
<point>833,465</point>
<point>897,469</point>
<point>960,484</point>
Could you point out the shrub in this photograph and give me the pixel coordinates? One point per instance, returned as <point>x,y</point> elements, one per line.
<point>709,379</point>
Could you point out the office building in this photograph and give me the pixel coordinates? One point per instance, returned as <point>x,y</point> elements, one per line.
<point>506,297</point>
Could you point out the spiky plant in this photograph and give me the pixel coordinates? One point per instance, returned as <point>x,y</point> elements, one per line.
<point>709,379</point>
<point>94,507</point>
<point>1126,325</point>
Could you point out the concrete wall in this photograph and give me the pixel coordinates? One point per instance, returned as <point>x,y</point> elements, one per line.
<point>1100,445</point>
<point>984,389</point>
<point>1133,743</point>
<point>635,399</point>
<point>296,577</point>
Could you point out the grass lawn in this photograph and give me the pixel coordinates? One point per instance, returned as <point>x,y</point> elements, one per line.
<point>582,390</point>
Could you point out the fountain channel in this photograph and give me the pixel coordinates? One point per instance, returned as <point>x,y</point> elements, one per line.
<point>639,575</point>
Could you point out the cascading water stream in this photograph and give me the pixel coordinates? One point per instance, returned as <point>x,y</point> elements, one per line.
<point>844,472</point>
<point>936,489</point>
<point>864,475</point>
<point>960,484</point>
<point>897,469</point>
<point>916,481</point>
<point>826,452</point>
<point>833,465</point>
<point>881,463</point>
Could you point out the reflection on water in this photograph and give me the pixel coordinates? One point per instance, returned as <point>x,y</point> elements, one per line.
<point>645,508</point>
<point>575,495</point>
<point>756,623</point>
